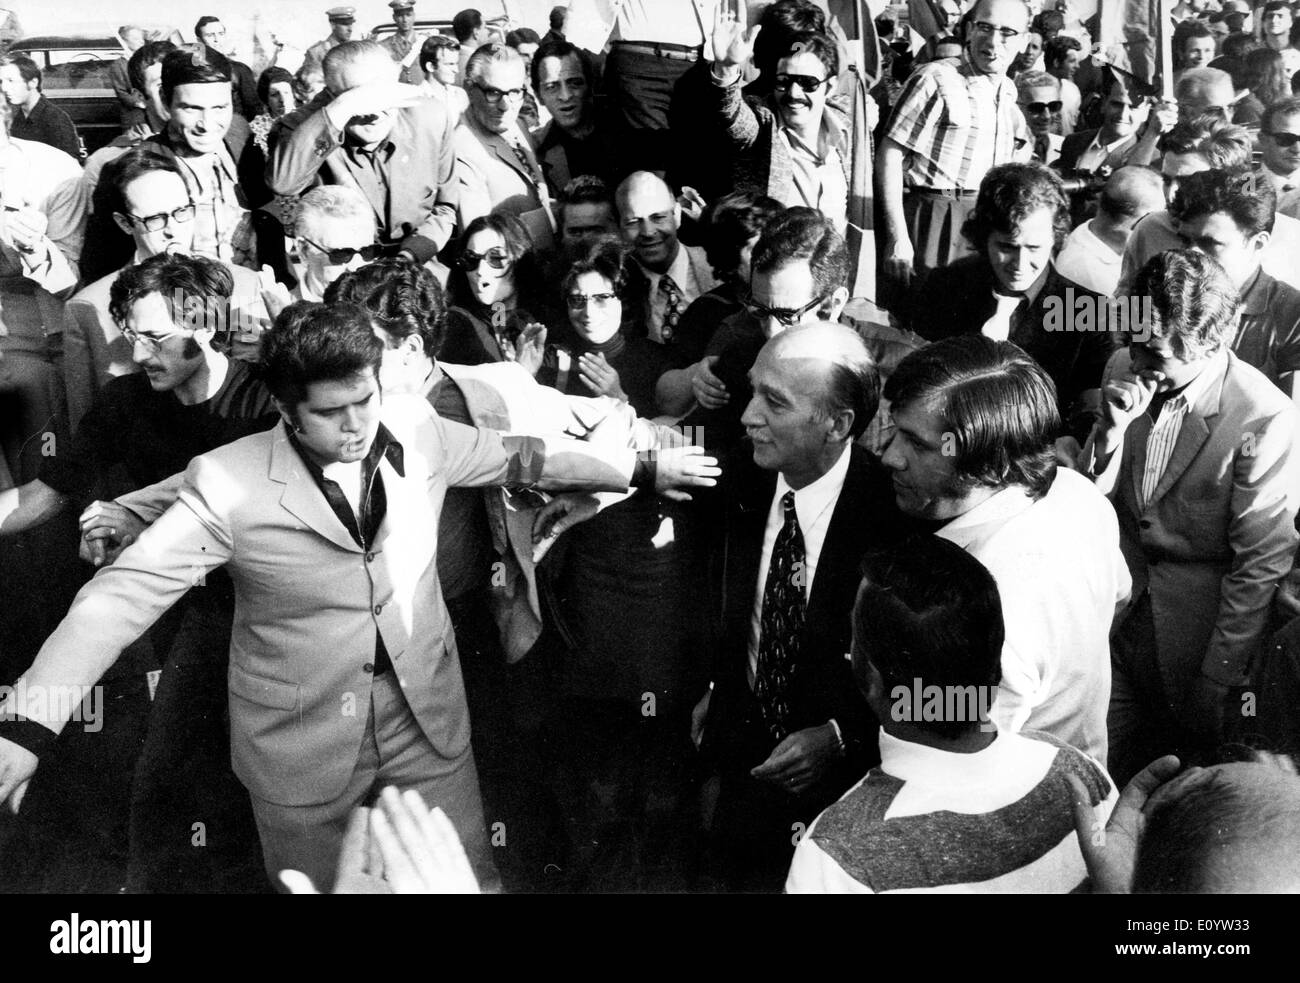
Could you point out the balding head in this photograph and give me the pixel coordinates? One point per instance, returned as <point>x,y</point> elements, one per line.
<point>1204,89</point>
<point>356,63</point>
<point>1229,829</point>
<point>648,217</point>
<point>1130,193</point>
<point>836,353</point>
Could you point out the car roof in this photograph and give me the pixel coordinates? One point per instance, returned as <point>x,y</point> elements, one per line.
<point>85,36</point>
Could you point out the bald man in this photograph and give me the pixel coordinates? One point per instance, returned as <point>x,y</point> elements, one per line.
<point>784,725</point>
<point>667,275</point>
<point>373,133</point>
<point>1093,254</point>
<point>1202,90</point>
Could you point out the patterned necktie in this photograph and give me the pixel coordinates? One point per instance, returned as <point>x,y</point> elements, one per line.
<point>673,308</point>
<point>524,162</point>
<point>781,623</point>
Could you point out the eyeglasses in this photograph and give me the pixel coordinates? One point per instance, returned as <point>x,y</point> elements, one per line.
<point>497,259</point>
<point>1006,34</point>
<point>1038,108</point>
<point>495,96</point>
<point>808,83</point>
<point>153,223</point>
<point>343,255</point>
<point>151,342</point>
<point>788,316</point>
<point>1283,139</point>
<point>579,302</point>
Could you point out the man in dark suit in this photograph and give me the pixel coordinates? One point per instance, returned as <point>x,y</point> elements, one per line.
<point>1009,290</point>
<point>783,724</point>
<point>371,132</point>
<point>1127,135</point>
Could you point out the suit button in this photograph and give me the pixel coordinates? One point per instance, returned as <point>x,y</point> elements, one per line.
<point>370,557</point>
<point>368,667</point>
<point>379,609</point>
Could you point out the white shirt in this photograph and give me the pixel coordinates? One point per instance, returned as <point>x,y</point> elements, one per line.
<point>1096,154</point>
<point>682,271</point>
<point>1164,433</point>
<point>814,504</point>
<point>666,21</point>
<point>818,180</point>
<point>1061,575</point>
<point>1071,102</point>
<point>1089,262</point>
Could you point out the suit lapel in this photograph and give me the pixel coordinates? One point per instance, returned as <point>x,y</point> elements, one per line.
<point>1194,432</point>
<point>505,152</point>
<point>837,549</point>
<point>301,497</point>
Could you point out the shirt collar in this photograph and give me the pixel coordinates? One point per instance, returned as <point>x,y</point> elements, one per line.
<point>679,270</point>
<point>385,445</point>
<point>812,500</point>
<point>994,512</point>
<point>946,769</point>
<point>1195,389</point>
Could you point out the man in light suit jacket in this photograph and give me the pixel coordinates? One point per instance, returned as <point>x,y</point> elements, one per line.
<point>372,133</point>
<point>1196,450</point>
<point>496,166</point>
<point>148,190</point>
<point>344,675</point>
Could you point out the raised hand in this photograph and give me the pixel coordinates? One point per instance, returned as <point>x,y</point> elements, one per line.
<point>733,45</point>
<point>678,468</point>
<point>599,376</point>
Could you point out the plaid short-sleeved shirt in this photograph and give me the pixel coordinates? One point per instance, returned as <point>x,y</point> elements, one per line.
<point>957,124</point>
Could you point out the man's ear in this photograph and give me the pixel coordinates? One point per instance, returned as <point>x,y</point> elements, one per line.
<point>839,425</point>
<point>835,304</point>
<point>122,223</point>
<point>412,345</point>
<point>1260,241</point>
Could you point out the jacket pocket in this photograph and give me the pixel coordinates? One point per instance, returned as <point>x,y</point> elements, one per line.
<point>262,691</point>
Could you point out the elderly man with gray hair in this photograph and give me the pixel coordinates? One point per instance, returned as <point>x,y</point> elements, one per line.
<point>374,134</point>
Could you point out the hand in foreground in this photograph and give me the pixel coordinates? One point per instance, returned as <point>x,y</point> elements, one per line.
<point>678,468</point>
<point>24,229</point>
<point>708,388</point>
<point>1124,400</point>
<point>733,44</point>
<point>898,262</point>
<point>370,100</point>
<point>556,517</point>
<point>17,765</point>
<point>1110,851</point>
<point>530,347</point>
<point>106,529</point>
<point>600,377</point>
<point>275,295</point>
<point>799,761</point>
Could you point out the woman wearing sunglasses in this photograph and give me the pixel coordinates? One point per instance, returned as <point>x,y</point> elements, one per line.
<point>495,290</point>
<point>601,360</point>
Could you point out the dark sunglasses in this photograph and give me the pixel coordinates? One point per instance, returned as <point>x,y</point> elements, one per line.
<point>1044,107</point>
<point>497,259</point>
<point>789,316</point>
<point>343,255</point>
<point>808,83</point>
<point>1283,139</point>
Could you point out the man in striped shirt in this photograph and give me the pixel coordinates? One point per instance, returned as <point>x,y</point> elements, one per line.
<point>957,805</point>
<point>951,125</point>
<point>1196,450</point>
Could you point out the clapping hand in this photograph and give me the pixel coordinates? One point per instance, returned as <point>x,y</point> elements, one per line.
<point>599,376</point>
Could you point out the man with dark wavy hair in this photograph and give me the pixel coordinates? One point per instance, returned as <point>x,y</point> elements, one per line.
<point>1195,449</point>
<point>971,451</point>
<point>1010,291</point>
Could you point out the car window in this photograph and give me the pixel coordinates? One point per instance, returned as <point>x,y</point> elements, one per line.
<point>88,72</point>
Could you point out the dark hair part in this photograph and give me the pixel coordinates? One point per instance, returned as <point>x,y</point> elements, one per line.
<point>433,44</point>
<point>814,43</point>
<point>404,298</point>
<point>853,383</point>
<point>522,35</point>
<point>465,23</point>
<point>518,244</point>
<point>203,22</point>
<point>1223,144</point>
<point>1266,75</point>
<point>802,233</point>
<point>605,256</point>
<point>133,164</point>
<point>782,22</point>
<point>195,289</point>
<point>998,404</point>
<point>317,343</point>
<point>558,17</point>
<point>729,223</point>
<point>273,75</point>
<point>1248,201</point>
<point>1193,303</point>
<point>929,612</point>
<point>561,50</point>
<point>1239,44</point>
<point>193,64</point>
<point>149,53</point>
<point>1047,24</point>
<point>1009,194</point>
<point>1055,49</point>
<point>586,189</point>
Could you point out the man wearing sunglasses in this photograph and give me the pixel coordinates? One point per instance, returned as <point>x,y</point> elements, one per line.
<point>1279,143</point>
<point>1039,98</point>
<point>152,205</point>
<point>335,232</point>
<point>794,145</point>
<point>380,137</point>
<point>949,128</point>
<point>496,165</point>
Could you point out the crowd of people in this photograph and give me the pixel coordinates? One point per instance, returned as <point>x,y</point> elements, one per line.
<point>512,425</point>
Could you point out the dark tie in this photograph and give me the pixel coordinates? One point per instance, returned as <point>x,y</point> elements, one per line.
<point>673,309</point>
<point>1041,147</point>
<point>781,623</point>
<point>524,161</point>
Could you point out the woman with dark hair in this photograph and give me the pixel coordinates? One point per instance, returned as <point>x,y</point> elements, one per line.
<point>494,289</point>
<point>732,225</point>
<point>275,90</point>
<point>1264,74</point>
<point>601,360</point>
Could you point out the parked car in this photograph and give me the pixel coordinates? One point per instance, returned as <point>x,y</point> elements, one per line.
<point>74,76</point>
